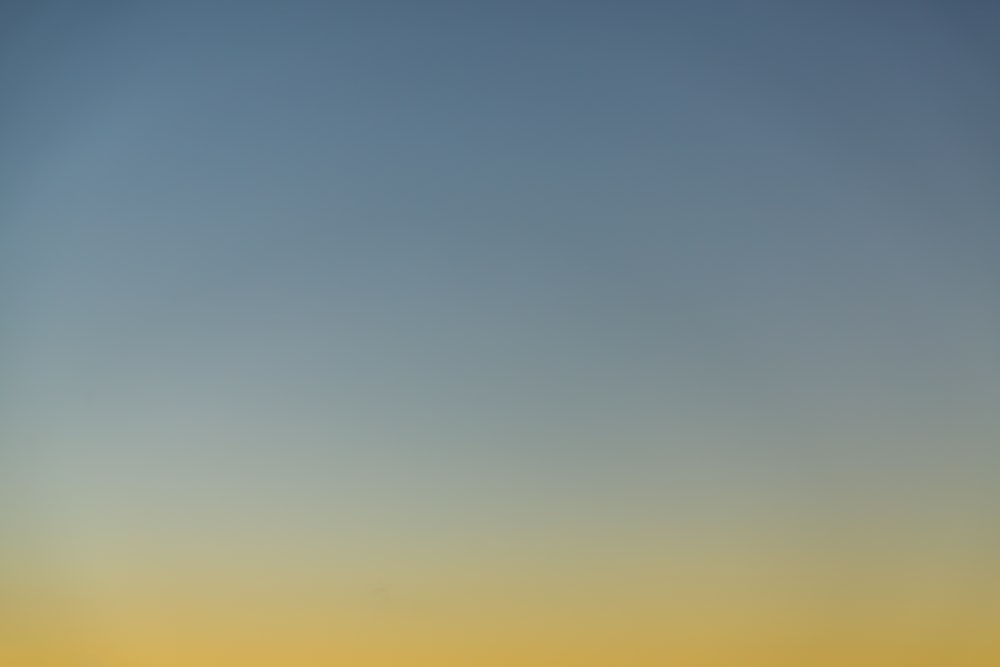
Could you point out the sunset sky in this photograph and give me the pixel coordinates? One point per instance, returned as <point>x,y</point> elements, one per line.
<point>499,334</point>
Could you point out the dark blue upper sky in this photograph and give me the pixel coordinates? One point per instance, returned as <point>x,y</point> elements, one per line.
<point>482,238</point>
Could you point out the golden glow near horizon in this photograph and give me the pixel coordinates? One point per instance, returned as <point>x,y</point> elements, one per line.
<point>701,597</point>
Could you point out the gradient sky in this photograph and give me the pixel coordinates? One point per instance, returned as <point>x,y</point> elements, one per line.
<point>500,331</point>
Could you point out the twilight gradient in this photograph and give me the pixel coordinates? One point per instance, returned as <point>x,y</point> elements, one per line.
<point>475,334</point>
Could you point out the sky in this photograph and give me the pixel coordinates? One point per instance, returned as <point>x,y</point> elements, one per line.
<point>515,333</point>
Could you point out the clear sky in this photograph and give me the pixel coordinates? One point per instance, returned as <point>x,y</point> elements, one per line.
<point>499,331</point>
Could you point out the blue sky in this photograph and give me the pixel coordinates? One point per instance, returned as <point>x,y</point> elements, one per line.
<point>481,262</point>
